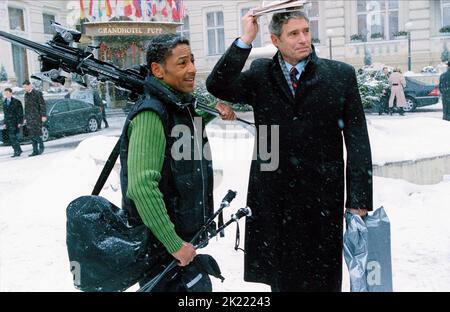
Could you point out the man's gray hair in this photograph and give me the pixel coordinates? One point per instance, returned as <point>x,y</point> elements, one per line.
<point>279,19</point>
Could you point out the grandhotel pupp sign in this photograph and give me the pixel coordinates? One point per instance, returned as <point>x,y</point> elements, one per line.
<point>129,29</point>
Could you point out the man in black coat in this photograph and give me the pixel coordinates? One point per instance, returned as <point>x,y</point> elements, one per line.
<point>35,116</point>
<point>13,111</point>
<point>99,103</point>
<point>293,241</point>
<point>444,88</point>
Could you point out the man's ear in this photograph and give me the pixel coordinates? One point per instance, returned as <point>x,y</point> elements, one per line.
<point>275,40</point>
<point>157,70</point>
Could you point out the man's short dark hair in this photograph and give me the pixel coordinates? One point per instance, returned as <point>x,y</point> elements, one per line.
<point>279,19</point>
<point>26,82</point>
<point>8,90</point>
<point>160,47</point>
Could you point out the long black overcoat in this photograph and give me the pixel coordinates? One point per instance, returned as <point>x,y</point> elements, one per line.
<point>35,109</point>
<point>13,114</point>
<point>444,88</point>
<point>294,239</point>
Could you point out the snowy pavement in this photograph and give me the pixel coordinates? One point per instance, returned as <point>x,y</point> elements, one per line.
<point>35,191</point>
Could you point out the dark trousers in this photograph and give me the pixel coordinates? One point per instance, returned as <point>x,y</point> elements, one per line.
<point>38,145</point>
<point>12,134</point>
<point>104,118</point>
<point>446,109</point>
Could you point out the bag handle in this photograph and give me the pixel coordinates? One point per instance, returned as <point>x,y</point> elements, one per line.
<point>107,169</point>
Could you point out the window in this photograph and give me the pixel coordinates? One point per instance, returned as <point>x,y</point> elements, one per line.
<point>47,19</point>
<point>378,17</point>
<point>60,107</point>
<point>16,20</point>
<point>20,63</point>
<point>445,7</point>
<point>74,105</point>
<point>257,42</point>
<point>313,14</point>
<point>183,30</point>
<point>216,33</point>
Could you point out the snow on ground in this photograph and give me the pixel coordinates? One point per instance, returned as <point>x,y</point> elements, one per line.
<point>32,217</point>
<point>397,139</point>
<point>33,254</point>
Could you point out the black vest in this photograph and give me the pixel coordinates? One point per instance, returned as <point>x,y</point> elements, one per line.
<point>186,184</point>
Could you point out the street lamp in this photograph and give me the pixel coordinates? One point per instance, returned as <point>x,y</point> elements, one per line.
<point>408,28</point>
<point>329,35</point>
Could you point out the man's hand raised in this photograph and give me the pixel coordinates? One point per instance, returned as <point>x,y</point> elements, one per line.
<point>250,27</point>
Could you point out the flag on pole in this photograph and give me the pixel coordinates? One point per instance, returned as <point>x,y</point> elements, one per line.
<point>81,9</point>
<point>137,6</point>
<point>167,9</point>
<point>100,13</point>
<point>119,8</point>
<point>174,10</point>
<point>159,6</point>
<point>128,9</point>
<point>91,4</point>
<point>108,8</point>
<point>148,8</point>
<point>180,8</point>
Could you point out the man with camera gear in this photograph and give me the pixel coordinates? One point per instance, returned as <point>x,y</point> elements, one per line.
<point>171,196</point>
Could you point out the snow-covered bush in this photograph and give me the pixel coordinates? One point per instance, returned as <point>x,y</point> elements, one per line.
<point>445,56</point>
<point>429,70</point>
<point>204,97</point>
<point>373,86</point>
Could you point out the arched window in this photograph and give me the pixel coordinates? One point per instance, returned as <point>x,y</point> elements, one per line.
<point>378,17</point>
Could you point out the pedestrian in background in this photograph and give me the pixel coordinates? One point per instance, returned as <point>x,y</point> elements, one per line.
<point>99,103</point>
<point>398,84</point>
<point>35,116</point>
<point>13,111</point>
<point>444,88</point>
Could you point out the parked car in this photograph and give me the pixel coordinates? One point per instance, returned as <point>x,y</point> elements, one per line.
<point>66,116</point>
<point>417,93</point>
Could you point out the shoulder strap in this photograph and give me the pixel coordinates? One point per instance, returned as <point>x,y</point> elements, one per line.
<point>107,169</point>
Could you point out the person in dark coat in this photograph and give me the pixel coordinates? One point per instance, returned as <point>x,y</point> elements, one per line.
<point>13,111</point>
<point>99,102</point>
<point>35,115</point>
<point>293,241</point>
<point>444,88</point>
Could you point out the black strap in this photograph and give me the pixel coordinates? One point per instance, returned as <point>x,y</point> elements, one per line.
<point>220,224</point>
<point>107,169</point>
<point>238,239</point>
